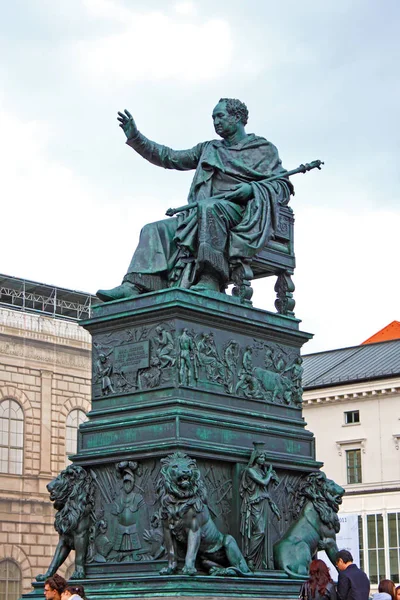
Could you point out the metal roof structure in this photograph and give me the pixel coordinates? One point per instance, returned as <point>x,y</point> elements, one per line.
<point>35,297</point>
<point>357,363</point>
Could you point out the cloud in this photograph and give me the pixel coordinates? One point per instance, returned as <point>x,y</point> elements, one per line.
<point>145,46</point>
<point>57,227</point>
<point>186,8</point>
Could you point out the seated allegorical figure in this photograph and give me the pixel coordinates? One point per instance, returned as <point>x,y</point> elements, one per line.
<point>233,210</point>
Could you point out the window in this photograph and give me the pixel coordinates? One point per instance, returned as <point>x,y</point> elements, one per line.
<point>353,463</point>
<point>377,553</point>
<point>11,437</point>
<point>352,416</point>
<point>394,545</point>
<point>74,419</point>
<point>376,548</point>
<point>361,542</point>
<point>10,580</point>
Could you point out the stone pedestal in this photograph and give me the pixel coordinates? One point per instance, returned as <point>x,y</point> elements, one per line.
<point>176,370</point>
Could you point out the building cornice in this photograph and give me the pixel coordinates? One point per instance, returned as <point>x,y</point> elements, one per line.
<point>357,391</point>
<point>43,328</point>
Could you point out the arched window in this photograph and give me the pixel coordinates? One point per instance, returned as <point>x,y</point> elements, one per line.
<point>10,580</point>
<point>74,419</point>
<point>11,437</point>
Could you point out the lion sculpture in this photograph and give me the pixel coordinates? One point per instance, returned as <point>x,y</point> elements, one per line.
<point>317,503</point>
<point>72,493</point>
<point>187,522</point>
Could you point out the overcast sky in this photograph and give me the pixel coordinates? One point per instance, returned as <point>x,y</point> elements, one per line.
<point>320,79</point>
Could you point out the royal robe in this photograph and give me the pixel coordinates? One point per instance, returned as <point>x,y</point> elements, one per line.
<point>216,232</point>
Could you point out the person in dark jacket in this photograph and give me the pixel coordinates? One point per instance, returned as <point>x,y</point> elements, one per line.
<point>353,584</point>
<point>320,585</point>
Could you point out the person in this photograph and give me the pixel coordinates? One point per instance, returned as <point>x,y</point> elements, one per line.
<point>54,587</point>
<point>234,207</point>
<point>386,590</point>
<point>320,585</point>
<point>353,584</point>
<point>398,592</point>
<point>73,592</point>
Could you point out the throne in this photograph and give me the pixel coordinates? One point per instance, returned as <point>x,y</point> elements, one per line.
<point>276,258</point>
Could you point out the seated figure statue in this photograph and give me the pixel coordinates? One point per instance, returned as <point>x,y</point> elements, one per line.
<point>232,207</point>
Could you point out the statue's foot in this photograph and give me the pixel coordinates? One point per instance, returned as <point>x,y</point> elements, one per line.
<point>79,573</point>
<point>189,570</point>
<point>170,570</point>
<point>125,290</point>
<point>206,283</point>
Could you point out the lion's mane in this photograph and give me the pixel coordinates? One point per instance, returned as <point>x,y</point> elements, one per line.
<point>176,501</point>
<point>314,488</point>
<point>73,496</point>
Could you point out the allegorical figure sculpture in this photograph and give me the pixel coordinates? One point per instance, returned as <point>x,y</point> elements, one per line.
<point>186,521</point>
<point>231,207</point>
<point>257,509</point>
<point>127,508</point>
<point>72,493</point>
<point>315,527</point>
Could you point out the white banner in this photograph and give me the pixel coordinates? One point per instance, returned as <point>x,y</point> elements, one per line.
<point>346,539</point>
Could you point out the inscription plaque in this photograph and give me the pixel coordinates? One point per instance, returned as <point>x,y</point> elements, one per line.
<point>133,357</point>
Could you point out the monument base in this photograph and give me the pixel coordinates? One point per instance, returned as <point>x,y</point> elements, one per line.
<point>182,374</point>
<point>273,585</point>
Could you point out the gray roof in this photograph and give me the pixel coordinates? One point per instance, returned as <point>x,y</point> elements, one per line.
<point>358,363</point>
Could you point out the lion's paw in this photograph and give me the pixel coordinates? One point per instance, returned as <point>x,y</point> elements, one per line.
<point>78,574</point>
<point>42,577</point>
<point>168,571</point>
<point>189,570</point>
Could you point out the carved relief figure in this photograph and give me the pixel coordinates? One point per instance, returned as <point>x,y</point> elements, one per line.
<point>296,375</point>
<point>151,377</point>
<point>186,521</point>
<point>209,359</point>
<point>231,357</point>
<point>248,384</point>
<point>164,346</point>
<point>104,372</point>
<point>126,508</point>
<point>186,348</point>
<point>272,378</point>
<point>72,493</point>
<point>257,510</point>
<point>317,503</point>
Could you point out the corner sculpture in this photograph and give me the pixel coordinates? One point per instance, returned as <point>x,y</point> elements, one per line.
<point>316,524</point>
<point>257,505</point>
<point>232,212</point>
<point>72,494</point>
<point>186,521</point>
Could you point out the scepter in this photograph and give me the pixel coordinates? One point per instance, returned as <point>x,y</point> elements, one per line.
<point>315,164</point>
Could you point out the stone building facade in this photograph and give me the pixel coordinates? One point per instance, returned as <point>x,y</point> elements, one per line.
<point>44,395</point>
<point>351,402</point>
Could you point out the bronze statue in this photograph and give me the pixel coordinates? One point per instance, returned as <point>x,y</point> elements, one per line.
<point>72,493</point>
<point>257,506</point>
<point>186,520</point>
<point>315,527</point>
<point>232,207</point>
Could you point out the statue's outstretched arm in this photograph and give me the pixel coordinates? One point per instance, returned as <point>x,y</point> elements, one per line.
<point>158,155</point>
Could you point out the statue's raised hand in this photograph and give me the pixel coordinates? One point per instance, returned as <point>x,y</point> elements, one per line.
<point>127,123</point>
